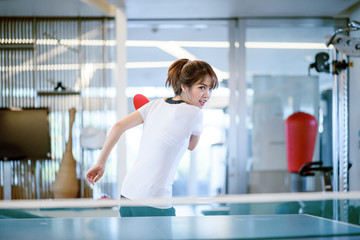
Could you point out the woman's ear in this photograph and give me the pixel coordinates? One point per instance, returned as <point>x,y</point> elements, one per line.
<point>183,88</point>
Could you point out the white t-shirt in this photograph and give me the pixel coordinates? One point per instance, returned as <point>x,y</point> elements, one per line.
<point>166,133</point>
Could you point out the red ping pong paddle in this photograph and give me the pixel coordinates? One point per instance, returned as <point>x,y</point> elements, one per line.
<point>140,100</point>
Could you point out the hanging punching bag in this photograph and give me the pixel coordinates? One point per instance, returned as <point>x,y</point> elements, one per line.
<point>300,137</point>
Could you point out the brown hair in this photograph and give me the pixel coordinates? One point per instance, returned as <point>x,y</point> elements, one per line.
<point>189,72</point>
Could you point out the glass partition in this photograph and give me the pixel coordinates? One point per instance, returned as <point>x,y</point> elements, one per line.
<point>279,84</point>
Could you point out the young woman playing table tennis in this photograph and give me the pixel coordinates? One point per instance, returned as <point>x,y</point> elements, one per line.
<point>170,126</point>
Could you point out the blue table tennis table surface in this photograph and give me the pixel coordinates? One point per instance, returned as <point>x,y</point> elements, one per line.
<point>283,226</point>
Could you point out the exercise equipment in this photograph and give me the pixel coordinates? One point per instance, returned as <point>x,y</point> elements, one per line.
<point>300,134</point>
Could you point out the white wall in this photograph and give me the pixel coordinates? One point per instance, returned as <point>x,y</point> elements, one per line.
<point>354,115</point>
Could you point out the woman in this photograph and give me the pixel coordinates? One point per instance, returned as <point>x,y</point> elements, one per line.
<point>170,126</point>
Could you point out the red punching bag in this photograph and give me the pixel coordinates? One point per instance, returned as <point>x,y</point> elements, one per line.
<point>300,137</point>
<point>140,100</point>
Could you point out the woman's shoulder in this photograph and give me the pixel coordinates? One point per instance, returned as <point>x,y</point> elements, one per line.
<point>154,101</point>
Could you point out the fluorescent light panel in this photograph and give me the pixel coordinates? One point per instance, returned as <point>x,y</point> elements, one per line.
<point>149,43</point>
<point>222,44</point>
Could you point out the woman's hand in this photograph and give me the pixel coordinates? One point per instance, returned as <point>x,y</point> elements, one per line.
<point>95,173</point>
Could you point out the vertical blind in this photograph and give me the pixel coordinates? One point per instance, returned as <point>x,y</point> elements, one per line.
<point>38,54</point>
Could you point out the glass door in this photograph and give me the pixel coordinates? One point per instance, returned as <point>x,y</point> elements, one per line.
<point>151,48</point>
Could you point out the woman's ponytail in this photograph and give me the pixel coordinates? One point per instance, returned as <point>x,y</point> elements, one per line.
<point>174,75</point>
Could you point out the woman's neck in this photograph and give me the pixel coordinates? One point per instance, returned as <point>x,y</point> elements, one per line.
<point>178,98</point>
<point>182,98</point>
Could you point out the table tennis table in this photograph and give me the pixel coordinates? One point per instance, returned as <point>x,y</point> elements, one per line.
<point>282,226</point>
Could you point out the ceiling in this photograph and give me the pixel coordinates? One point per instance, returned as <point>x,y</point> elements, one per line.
<point>199,9</point>
<point>181,9</point>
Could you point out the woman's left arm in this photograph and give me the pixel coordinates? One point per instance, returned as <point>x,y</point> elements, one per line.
<point>194,139</point>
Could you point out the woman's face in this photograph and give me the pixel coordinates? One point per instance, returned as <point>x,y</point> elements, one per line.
<point>199,93</point>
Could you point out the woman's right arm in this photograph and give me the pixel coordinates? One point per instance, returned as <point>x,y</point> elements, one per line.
<point>97,171</point>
